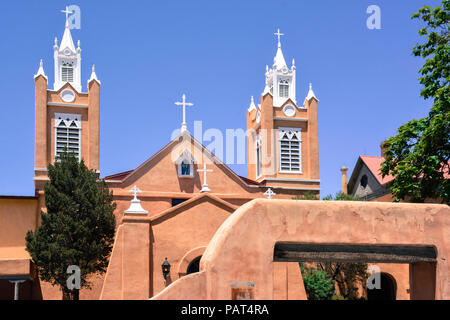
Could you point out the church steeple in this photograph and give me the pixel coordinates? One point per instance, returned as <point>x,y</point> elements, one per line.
<point>283,149</point>
<point>65,117</point>
<point>280,80</point>
<point>67,59</point>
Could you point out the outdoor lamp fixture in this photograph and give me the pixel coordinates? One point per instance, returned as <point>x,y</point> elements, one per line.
<point>165,268</point>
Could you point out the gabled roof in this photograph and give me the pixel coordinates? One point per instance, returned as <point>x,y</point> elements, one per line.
<point>374,165</point>
<point>203,197</point>
<point>123,176</point>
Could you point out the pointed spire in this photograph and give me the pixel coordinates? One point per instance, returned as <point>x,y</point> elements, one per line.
<point>279,61</point>
<point>40,71</point>
<point>293,64</point>
<point>311,93</point>
<point>93,75</point>
<point>55,46</point>
<point>252,105</point>
<point>67,41</point>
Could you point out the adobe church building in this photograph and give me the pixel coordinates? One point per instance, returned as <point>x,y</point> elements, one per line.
<point>179,205</point>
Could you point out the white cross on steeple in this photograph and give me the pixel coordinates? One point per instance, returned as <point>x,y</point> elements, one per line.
<point>67,15</point>
<point>269,193</point>
<point>135,191</point>
<point>279,35</point>
<point>184,104</point>
<point>205,185</point>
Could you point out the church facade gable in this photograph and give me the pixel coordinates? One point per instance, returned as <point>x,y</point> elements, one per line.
<point>163,171</point>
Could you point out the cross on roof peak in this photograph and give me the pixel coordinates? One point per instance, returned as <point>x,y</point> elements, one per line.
<point>279,36</point>
<point>67,15</point>
<point>184,104</point>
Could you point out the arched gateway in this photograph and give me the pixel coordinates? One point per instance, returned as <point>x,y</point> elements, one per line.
<point>244,247</point>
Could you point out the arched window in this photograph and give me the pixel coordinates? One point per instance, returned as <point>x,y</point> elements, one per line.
<point>185,164</point>
<point>284,88</point>
<point>194,266</point>
<point>364,181</point>
<point>387,289</point>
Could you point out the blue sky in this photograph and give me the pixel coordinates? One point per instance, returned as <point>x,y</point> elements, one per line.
<point>148,53</point>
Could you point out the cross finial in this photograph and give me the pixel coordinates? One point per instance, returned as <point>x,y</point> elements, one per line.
<point>135,191</point>
<point>205,185</point>
<point>269,194</point>
<point>279,35</point>
<point>67,15</point>
<point>184,104</point>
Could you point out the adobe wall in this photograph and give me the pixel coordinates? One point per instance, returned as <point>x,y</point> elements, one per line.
<point>17,216</point>
<point>143,242</point>
<point>243,247</point>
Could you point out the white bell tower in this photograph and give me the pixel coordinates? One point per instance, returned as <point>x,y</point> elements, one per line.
<point>67,60</point>
<point>280,80</point>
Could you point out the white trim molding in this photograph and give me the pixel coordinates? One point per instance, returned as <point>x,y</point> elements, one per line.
<point>291,119</point>
<point>292,180</point>
<point>60,104</point>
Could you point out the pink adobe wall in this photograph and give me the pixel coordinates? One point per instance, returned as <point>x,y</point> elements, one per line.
<point>400,272</point>
<point>242,249</point>
<point>175,235</point>
<point>17,216</point>
<point>179,233</point>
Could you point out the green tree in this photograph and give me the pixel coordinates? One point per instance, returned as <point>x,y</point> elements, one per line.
<point>341,196</point>
<point>418,156</point>
<point>318,285</point>
<point>78,227</point>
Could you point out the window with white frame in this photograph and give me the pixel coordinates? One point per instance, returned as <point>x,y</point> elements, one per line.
<point>290,150</point>
<point>185,168</point>
<point>67,134</point>
<point>258,157</point>
<point>185,164</point>
<point>67,71</point>
<point>284,88</point>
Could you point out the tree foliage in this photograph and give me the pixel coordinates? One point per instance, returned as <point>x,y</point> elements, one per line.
<point>318,285</point>
<point>418,156</point>
<point>341,196</point>
<point>78,227</point>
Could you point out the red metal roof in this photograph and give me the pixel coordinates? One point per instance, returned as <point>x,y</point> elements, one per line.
<point>374,165</point>
<point>118,176</point>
